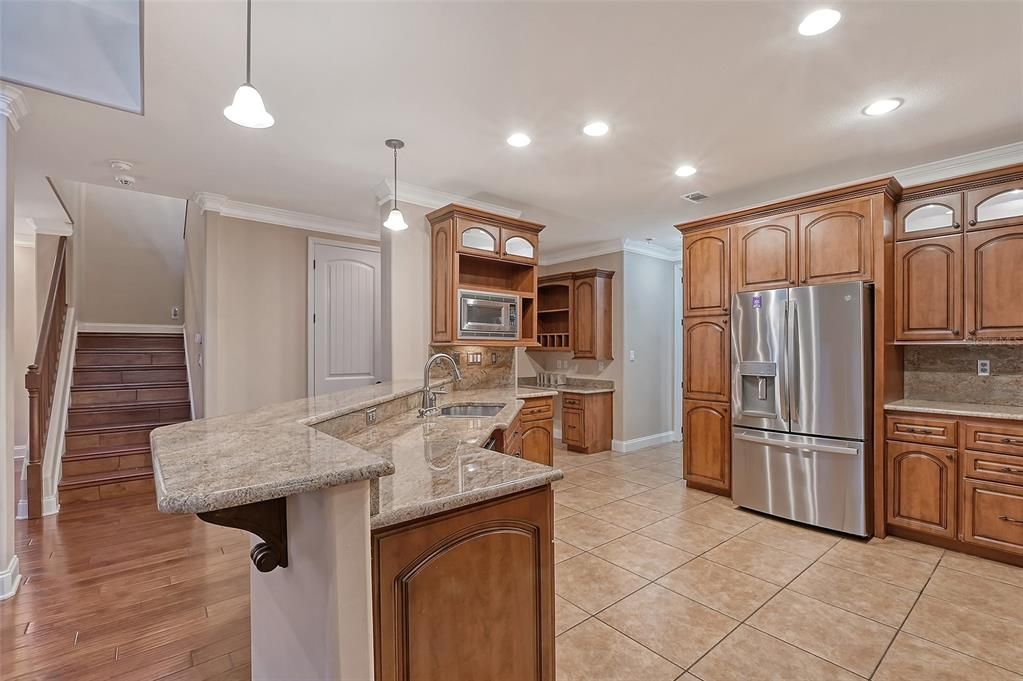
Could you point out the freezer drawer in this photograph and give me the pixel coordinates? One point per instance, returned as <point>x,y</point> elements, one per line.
<point>812,480</point>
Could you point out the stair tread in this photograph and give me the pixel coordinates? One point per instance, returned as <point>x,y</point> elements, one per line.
<point>113,428</point>
<point>130,386</point>
<point>124,406</point>
<point>121,367</point>
<point>105,452</point>
<point>105,477</point>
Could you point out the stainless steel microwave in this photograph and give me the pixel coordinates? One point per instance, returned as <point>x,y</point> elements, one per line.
<point>487,315</point>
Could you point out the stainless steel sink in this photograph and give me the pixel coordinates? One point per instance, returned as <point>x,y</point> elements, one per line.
<point>470,410</point>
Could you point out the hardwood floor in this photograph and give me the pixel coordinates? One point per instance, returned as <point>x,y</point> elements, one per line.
<point>114,589</point>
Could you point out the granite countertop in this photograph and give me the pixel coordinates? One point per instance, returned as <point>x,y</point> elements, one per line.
<point>416,466</point>
<point>987,411</point>
<point>576,386</point>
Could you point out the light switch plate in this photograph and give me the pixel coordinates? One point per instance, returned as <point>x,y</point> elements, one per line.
<point>632,355</point>
<point>983,367</point>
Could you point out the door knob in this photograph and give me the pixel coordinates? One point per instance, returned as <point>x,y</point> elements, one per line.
<point>973,223</point>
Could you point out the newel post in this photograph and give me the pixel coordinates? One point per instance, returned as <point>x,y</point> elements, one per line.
<point>34,469</point>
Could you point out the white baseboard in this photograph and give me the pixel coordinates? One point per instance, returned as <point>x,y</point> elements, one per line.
<point>557,433</point>
<point>20,456</point>
<point>626,446</point>
<point>10,579</point>
<point>102,327</point>
<point>50,505</point>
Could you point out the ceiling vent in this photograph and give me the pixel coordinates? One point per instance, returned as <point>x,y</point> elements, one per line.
<point>694,197</point>
<point>125,180</point>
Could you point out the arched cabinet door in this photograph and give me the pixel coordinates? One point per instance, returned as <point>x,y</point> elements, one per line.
<point>764,254</point>
<point>1000,205</point>
<point>538,442</point>
<point>519,245</point>
<point>921,488</point>
<point>835,243</point>
<point>707,452</point>
<point>708,349</point>
<point>477,238</point>
<point>929,217</point>
<point>929,289</point>
<point>994,287</point>
<point>705,271</point>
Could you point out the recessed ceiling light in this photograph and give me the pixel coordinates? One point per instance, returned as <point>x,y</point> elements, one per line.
<point>596,129</point>
<point>818,22</point>
<point>519,139</point>
<point>882,106</point>
<point>685,171</point>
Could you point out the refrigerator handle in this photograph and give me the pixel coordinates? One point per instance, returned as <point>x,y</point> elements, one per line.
<point>802,447</point>
<point>792,349</point>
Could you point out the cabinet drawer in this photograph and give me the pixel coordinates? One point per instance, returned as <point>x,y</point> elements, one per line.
<point>925,430</point>
<point>537,409</point>
<point>993,516</point>
<point>573,401</point>
<point>993,467</point>
<point>573,426</point>
<point>1000,438</point>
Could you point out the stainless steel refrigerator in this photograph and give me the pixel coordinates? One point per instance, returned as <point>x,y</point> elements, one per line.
<point>801,398</point>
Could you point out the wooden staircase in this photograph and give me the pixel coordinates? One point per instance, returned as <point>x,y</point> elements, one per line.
<point>124,386</point>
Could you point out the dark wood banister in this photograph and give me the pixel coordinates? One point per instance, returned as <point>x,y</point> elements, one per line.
<point>41,378</point>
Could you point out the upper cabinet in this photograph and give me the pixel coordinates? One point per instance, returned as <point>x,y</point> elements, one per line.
<point>929,217</point>
<point>836,243</point>
<point>994,287</point>
<point>591,312</point>
<point>705,271</point>
<point>999,205</point>
<point>520,245</point>
<point>929,289</point>
<point>764,254</point>
<point>477,238</point>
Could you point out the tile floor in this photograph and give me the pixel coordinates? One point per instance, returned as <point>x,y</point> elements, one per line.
<point>656,581</point>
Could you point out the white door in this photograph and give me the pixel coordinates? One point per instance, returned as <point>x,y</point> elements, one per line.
<point>345,334</point>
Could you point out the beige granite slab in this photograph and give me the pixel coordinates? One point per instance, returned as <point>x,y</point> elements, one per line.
<point>575,386</point>
<point>986,411</point>
<point>417,466</point>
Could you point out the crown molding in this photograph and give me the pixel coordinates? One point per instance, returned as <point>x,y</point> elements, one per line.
<point>599,248</point>
<point>26,239</point>
<point>433,198</point>
<point>218,203</point>
<point>52,227</point>
<point>12,104</point>
<point>974,162</point>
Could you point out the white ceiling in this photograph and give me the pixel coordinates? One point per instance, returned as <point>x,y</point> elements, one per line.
<point>729,87</point>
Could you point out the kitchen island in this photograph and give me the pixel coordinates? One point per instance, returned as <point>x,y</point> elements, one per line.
<point>390,546</point>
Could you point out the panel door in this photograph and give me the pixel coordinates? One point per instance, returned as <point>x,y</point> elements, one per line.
<point>994,285</point>
<point>706,449</point>
<point>442,298</point>
<point>930,217</point>
<point>921,488</point>
<point>346,318</point>
<point>835,243</point>
<point>477,238</point>
<point>999,205</point>
<point>707,347</point>
<point>573,427</point>
<point>764,254</point>
<point>705,271</point>
<point>929,289</point>
<point>993,516</point>
<point>584,305</point>
<point>538,442</point>
<point>519,245</point>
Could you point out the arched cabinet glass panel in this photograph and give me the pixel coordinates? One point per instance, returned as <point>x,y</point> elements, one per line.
<point>479,239</point>
<point>1007,204</point>
<point>519,247</point>
<point>928,217</point>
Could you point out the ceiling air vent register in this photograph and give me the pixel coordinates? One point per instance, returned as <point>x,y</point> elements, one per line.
<point>694,197</point>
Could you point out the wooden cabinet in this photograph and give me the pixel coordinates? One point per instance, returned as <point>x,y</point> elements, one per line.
<point>929,289</point>
<point>537,419</point>
<point>707,344</point>
<point>922,429</point>
<point>591,313</point>
<point>479,251</point>
<point>993,516</point>
<point>998,205</point>
<point>705,267</point>
<point>707,446</point>
<point>993,436</point>
<point>921,488</point>
<point>467,594</point>
<point>554,313</point>
<point>587,421</point>
<point>994,287</point>
<point>836,243</point>
<point>763,254</point>
<point>929,217</point>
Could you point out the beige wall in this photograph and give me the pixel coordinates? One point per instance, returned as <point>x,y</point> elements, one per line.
<point>195,303</point>
<point>25,337</point>
<point>45,256</point>
<point>133,257</point>
<point>256,313</point>
<point>406,294</point>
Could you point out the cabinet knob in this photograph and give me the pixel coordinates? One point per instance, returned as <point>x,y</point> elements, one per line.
<point>973,332</point>
<point>973,223</point>
<point>955,332</point>
<point>950,456</point>
<point>956,225</point>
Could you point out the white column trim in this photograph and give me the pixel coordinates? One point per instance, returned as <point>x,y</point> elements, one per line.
<point>10,578</point>
<point>12,105</point>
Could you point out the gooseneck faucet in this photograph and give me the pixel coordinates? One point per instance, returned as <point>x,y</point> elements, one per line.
<point>430,395</point>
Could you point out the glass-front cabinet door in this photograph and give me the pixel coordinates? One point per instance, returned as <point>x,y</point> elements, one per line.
<point>999,205</point>
<point>932,216</point>
<point>477,238</point>
<point>518,245</point>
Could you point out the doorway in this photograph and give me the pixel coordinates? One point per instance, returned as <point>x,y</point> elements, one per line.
<point>344,316</point>
<point>676,419</point>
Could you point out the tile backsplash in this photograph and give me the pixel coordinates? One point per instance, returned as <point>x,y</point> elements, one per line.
<point>496,368</point>
<point>949,374</point>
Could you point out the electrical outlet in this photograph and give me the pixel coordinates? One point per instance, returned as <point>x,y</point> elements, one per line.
<point>198,339</point>
<point>175,312</point>
<point>493,358</point>
<point>983,367</point>
<point>371,416</point>
<point>474,358</point>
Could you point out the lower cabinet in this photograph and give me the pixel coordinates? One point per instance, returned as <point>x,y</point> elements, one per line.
<point>921,490</point>
<point>587,421</point>
<point>537,417</point>
<point>993,516</point>
<point>707,446</point>
<point>467,594</point>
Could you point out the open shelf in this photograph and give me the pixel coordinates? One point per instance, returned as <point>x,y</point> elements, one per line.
<point>554,341</point>
<point>487,274</point>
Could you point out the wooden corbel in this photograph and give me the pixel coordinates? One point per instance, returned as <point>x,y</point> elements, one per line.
<point>268,520</point>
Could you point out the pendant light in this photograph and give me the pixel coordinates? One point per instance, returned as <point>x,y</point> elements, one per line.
<point>395,220</point>
<point>247,107</point>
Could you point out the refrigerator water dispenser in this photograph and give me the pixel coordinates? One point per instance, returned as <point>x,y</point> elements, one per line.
<point>759,397</point>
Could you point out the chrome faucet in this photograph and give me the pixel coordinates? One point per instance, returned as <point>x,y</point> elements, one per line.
<point>429,394</point>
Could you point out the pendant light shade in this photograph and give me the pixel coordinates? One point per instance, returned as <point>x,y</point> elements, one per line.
<point>395,220</point>
<point>247,108</point>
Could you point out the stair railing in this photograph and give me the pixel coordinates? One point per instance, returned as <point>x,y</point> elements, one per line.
<point>41,378</point>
